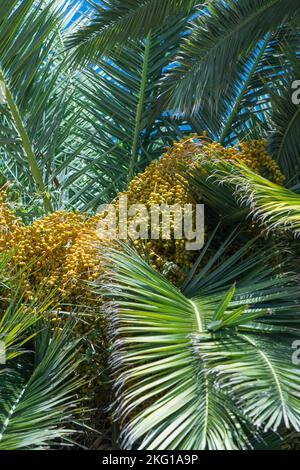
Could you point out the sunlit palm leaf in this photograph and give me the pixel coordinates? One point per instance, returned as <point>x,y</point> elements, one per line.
<point>38,370</point>
<point>38,403</point>
<point>168,392</point>
<point>275,206</point>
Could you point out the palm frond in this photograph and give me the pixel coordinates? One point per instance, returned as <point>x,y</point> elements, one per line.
<point>44,138</point>
<point>275,206</point>
<point>18,318</point>
<point>114,22</point>
<point>219,35</point>
<point>247,101</point>
<point>38,402</point>
<point>128,127</point>
<point>169,395</point>
<point>284,140</point>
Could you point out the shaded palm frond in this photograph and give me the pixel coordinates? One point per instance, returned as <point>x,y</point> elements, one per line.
<point>219,35</point>
<point>219,198</point>
<point>114,22</point>
<point>285,117</point>
<point>18,319</point>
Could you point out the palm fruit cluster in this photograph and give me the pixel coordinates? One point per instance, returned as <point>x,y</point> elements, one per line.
<point>253,153</point>
<point>58,253</point>
<point>161,183</point>
<point>65,245</point>
<point>45,250</point>
<point>62,251</point>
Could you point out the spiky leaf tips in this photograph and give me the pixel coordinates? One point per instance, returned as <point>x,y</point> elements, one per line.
<point>38,404</point>
<point>276,207</point>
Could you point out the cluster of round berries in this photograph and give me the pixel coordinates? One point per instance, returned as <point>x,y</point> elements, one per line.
<point>62,251</point>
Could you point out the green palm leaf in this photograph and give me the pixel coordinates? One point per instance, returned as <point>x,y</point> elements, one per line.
<point>250,366</point>
<point>119,101</point>
<point>37,404</point>
<point>219,35</point>
<point>169,393</point>
<point>275,206</point>
<point>115,22</point>
<point>38,370</point>
<point>284,142</point>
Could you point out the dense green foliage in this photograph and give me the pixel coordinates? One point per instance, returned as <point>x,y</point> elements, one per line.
<point>90,99</point>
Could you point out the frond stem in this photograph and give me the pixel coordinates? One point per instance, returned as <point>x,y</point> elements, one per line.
<point>198,317</point>
<point>140,108</point>
<point>35,171</point>
<point>243,90</point>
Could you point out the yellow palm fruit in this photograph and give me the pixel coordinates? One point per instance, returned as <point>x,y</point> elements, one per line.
<point>62,251</point>
<point>65,245</point>
<point>254,154</point>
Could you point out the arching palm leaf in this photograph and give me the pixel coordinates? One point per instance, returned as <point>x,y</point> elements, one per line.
<point>38,403</point>
<point>38,370</point>
<point>118,98</point>
<point>285,117</point>
<point>274,205</point>
<point>219,35</point>
<point>44,138</point>
<point>115,22</point>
